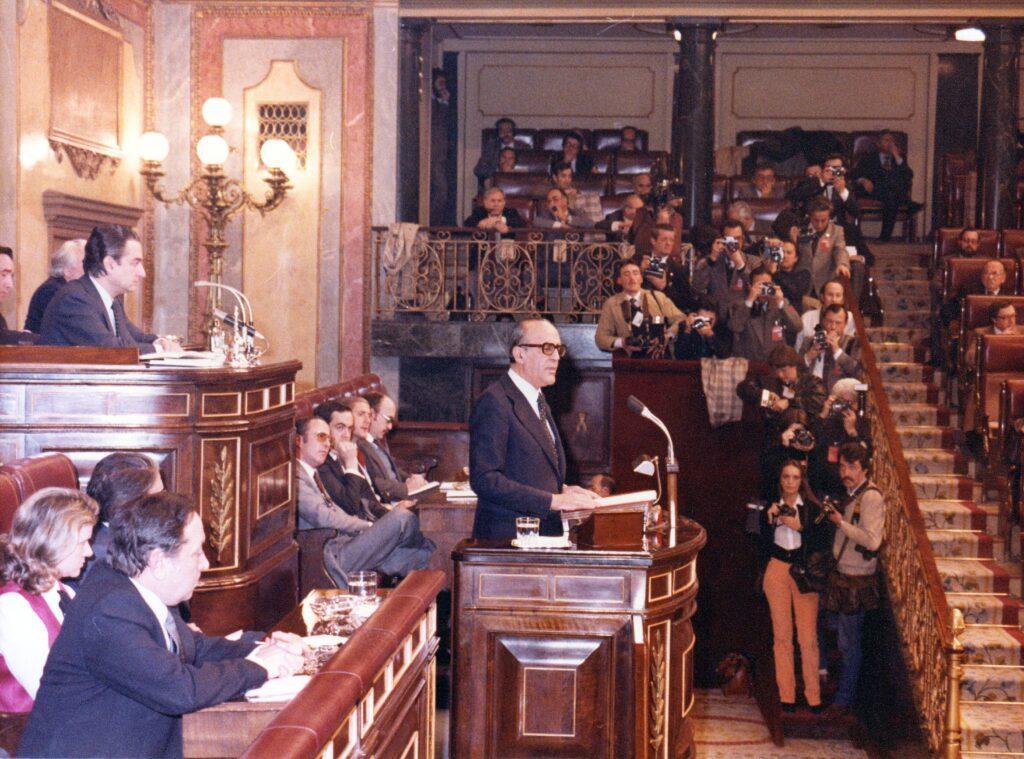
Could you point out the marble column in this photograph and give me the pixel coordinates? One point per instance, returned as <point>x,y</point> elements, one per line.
<point>410,88</point>
<point>997,143</point>
<point>693,120</point>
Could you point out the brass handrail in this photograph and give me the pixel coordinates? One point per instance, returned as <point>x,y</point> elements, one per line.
<point>918,601</point>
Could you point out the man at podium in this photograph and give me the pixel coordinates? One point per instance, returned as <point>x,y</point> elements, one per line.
<point>516,460</point>
<point>87,311</point>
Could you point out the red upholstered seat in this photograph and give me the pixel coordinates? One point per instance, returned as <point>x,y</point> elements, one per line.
<point>534,161</point>
<point>551,139</point>
<point>364,383</point>
<point>611,139</point>
<point>524,139</point>
<point>962,271</point>
<point>1000,358</point>
<point>1013,243</point>
<point>621,184</point>
<point>766,209</point>
<point>9,501</point>
<point>945,243</point>
<point>595,183</point>
<point>603,161</point>
<point>532,185</point>
<point>523,205</point>
<point>638,163</point>
<point>22,477</point>
<point>974,310</point>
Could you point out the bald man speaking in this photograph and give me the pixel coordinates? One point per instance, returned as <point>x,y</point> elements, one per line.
<point>516,460</point>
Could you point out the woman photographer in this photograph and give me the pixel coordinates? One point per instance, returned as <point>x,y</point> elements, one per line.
<point>48,541</point>
<point>789,530</point>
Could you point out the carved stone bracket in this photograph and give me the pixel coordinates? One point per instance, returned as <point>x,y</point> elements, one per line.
<point>86,163</point>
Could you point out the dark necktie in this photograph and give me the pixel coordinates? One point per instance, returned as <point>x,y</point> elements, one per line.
<point>549,423</point>
<point>172,633</point>
<point>886,162</point>
<point>120,321</point>
<point>323,490</point>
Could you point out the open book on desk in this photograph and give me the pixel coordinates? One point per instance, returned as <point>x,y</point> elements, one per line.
<point>638,500</point>
<point>423,490</point>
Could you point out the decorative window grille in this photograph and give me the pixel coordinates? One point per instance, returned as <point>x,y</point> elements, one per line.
<point>285,121</point>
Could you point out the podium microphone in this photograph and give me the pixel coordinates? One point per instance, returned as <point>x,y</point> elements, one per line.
<point>229,320</point>
<point>671,465</point>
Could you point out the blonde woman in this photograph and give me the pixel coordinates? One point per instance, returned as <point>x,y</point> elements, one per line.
<point>48,541</point>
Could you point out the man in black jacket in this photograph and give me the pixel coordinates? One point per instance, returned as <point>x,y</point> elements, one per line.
<point>885,176</point>
<point>125,668</point>
<point>66,265</point>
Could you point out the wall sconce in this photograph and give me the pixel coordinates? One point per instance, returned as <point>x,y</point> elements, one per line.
<point>216,197</point>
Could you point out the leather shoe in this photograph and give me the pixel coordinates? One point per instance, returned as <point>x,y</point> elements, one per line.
<point>788,708</point>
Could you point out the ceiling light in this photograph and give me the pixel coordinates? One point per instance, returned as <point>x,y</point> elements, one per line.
<point>969,34</point>
<point>678,34</point>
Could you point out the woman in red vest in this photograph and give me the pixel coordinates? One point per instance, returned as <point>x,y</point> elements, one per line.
<point>48,541</point>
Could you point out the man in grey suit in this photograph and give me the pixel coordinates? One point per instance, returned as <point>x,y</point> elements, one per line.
<point>393,545</point>
<point>762,321</point>
<point>822,247</point>
<point>374,415</point>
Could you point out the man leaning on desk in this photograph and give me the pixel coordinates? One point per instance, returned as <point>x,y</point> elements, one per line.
<point>516,460</point>
<point>87,311</point>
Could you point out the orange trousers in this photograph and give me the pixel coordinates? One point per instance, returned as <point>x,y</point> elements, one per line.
<point>786,601</point>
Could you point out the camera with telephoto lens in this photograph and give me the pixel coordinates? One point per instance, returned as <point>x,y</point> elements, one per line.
<point>829,505</point>
<point>820,338</point>
<point>664,192</point>
<point>768,289</point>
<point>803,437</point>
<point>731,243</point>
<point>700,322</point>
<point>839,407</point>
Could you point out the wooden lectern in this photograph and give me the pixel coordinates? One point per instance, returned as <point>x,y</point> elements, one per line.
<point>220,436</point>
<point>576,652</point>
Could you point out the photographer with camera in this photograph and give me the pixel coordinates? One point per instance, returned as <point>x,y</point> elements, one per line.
<point>792,532</point>
<point>664,271</point>
<point>831,184</point>
<point>640,322</point>
<point>788,397</point>
<point>762,320</point>
<point>839,422</point>
<point>853,589</point>
<point>822,246</point>
<point>831,354</point>
<point>781,259</point>
<point>583,204</point>
<point>698,337</point>
<point>724,273</point>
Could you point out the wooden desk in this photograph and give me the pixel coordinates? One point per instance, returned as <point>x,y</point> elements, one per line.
<point>574,653</point>
<point>447,523</point>
<point>375,697</point>
<point>220,436</point>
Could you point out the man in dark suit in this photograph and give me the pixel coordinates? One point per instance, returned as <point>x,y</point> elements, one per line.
<point>125,668</point>
<point>993,277</point>
<point>516,461</point>
<point>505,137</point>
<point>837,356</point>
<point>573,154</point>
<point>885,176</point>
<point>6,285</point>
<point>66,264</point>
<point>88,312</point>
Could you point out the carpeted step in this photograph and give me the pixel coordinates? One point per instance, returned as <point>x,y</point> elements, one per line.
<point>937,461</point>
<point>988,608</point>
<point>884,273</point>
<point>986,683</point>
<point>906,353</point>
<point>995,728</point>
<point>951,514</point>
<point>920,415</point>
<point>966,544</point>
<point>897,304</point>
<point>955,487</point>
<point>888,334</point>
<point>919,318</point>
<point>929,437</point>
<point>907,371</point>
<point>993,644</point>
<point>911,392</point>
<point>979,576</point>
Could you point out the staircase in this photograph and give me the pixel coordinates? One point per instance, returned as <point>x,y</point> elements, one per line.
<point>978,574</point>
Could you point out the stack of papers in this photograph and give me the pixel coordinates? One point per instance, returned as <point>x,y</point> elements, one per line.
<point>457,491</point>
<point>278,689</point>
<point>186,359</point>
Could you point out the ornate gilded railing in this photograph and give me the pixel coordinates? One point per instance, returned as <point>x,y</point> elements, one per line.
<point>454,273</point>
<point>923,617</point>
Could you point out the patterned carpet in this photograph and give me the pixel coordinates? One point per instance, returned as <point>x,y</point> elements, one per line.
<point>732,728</point>
<point>978,574</point>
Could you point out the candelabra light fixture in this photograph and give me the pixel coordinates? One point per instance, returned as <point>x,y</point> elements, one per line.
<point>215,196</point>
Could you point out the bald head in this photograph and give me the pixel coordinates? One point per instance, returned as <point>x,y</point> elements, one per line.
<point>993,276</point>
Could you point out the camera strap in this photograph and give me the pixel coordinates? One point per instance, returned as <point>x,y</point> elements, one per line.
<point>857,496</point>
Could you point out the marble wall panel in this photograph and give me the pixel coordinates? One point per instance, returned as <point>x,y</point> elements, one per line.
<point>9,138</point>
<point>385,114</point>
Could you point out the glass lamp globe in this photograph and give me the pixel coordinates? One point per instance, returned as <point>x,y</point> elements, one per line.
<point>212,150</point>
<point>217,112</point>
<point>153,146</point>
<point>278,154</point>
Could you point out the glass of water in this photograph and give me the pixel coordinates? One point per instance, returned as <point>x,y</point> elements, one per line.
<point>527,528</point>
<point>362,584</point>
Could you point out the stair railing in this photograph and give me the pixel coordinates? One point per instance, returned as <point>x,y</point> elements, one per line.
<point>931,650</point>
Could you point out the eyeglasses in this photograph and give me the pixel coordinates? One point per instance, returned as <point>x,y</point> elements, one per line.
<point>322,437</point>
<point>547,348</point>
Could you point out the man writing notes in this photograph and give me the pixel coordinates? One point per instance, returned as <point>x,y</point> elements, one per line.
<point>87,311</point>
<point>516,460</point>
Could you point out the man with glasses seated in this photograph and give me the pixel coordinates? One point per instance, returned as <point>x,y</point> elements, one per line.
<point>516,459</point>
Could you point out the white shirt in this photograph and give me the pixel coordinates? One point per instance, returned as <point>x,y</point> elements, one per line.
<point>532,393</point>
<point>813,317</point>
<point>787,538</point>
<point>108,302</point>
<point>637,302</point>
<point>24,643</point>
<point>818,367</point>
<point>158,607</point>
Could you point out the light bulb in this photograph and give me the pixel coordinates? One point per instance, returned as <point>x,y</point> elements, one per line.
<point>677,34</point>
<point>278,154</point>
<point>217,112</point>
<point>969,34</point>
<point>212,150</point>
<point>153,146</point>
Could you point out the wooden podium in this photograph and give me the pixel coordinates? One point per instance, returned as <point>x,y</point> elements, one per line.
<point>220,436</point>
<point>574,653</point>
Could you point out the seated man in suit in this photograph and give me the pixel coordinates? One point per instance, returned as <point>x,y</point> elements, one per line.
<point>823,246</point>
<point>505,137</point>
<point>764,185</point>
<point>374,415</point>
<point>574,155</point>
<point>619,223</point>
<point>625,314</point>
<point>516,460</point>
<point>885,177</point>
<point>993,277</point>
<point>586,204</point>
<point>831,354</point>
<point>627,140</point>
<point>556,213</point>
<point>1003,318</point>
<point>764,320</point>
<point>88,312</point>
<point>392,545</point>
<point>125,667</point>
<point>494,216</point>
<point>830,183</point>
<point>65,266</point>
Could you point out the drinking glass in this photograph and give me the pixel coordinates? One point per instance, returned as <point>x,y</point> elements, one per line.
<point>362,584</point>
<point>527,528</point>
